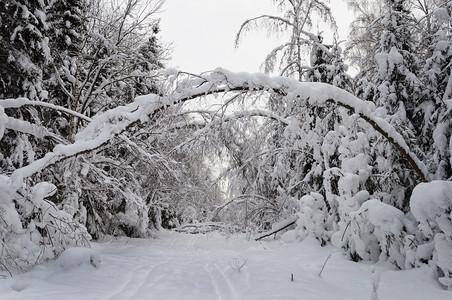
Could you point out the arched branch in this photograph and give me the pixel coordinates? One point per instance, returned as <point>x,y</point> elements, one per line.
<point>320,93</point>
<point>114,122</point>
<point>404,151</point>
<point>19,102</point>
<point>248,24</point>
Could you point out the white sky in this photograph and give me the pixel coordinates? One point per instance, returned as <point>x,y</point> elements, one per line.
<point>203,33</point>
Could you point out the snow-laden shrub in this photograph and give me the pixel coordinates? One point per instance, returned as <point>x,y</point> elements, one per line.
<point>134,221</point>
<point>78,256</point>
<point>59,227</point>
<point>378,232</point>
<point>312,217</point>
<point>33,229</point>
<point>10,228</point>
<point>351,191</point>
<point>431,205</point>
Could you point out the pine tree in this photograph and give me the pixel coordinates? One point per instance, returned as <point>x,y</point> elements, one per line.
<point>390,78</point>
<point>24,53</point>
<point>67,25</point>
<point>437,83</point>
<point>24,49</point>
<point>397,64</point>
<point>327,65</point>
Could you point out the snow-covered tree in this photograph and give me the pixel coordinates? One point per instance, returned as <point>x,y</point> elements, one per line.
<point>24,53</point>
<point>91,59</point>
<point>327,65</point>
<point>398,92</point>
<point>113,57</point>
<point>437,85</point>
<point>67,21</point>
<point>294,162</point>
<point>397,64</point>
<point>298,18</point>
<point>360,50</point>
<point>24,48</point>
<point>390,78</point>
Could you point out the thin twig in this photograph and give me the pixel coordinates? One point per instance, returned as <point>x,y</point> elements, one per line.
<point>324,264</point>
<point>343,234</point>
<point>6,268</point>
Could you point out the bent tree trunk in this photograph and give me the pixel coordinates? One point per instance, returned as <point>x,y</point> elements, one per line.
<point>104,127</point>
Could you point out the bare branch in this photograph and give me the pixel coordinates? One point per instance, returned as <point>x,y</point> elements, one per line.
<point>273,22</point>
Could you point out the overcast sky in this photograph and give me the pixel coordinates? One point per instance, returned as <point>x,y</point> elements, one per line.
<point>203,33</point>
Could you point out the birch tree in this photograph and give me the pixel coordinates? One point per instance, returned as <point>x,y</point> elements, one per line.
<point>297,19</point>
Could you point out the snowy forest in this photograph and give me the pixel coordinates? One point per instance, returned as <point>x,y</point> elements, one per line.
<point>98,138</point>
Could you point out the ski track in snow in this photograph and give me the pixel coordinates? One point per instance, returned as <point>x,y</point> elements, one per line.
<point>138,279</point>
<point>179,266</point>
<point>223,287</point>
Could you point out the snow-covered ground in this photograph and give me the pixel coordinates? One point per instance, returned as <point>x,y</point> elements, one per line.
<point>213,266</point>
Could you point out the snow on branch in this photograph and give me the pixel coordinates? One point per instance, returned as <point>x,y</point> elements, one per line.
<point>112,123</point>
<point>28,128</point>
<point>292,220</point>
<point>231,118</point>
<point>321,93</point>
<point>238,199</point>
<point>22,126</point>
<point>19,102</point>
<point>269,61</point>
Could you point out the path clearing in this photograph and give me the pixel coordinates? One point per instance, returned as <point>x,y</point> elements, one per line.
<point>181,266</point>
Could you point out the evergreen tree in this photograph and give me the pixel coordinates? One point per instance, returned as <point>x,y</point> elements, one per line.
<point>24,49</point>
<point>327,65</point>
<point>297,156</point>
<point>437,83</point>
<point>67,25</point>
<point>397,64</point>
<point>390,79</point>
<point>24,53</point>
<point>398,91</point>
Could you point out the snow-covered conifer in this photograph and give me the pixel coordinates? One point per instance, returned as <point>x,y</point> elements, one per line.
<point>390,78</point>
<point>24,49</point>
<point>437,83</point>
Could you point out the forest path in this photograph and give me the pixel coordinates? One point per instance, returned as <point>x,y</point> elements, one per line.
<point>213,266</point>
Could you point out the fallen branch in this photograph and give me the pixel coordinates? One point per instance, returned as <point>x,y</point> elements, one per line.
<point>200,227</point>
<point>285,224</point>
